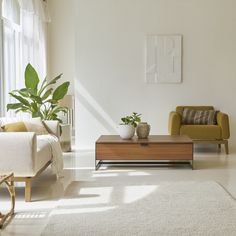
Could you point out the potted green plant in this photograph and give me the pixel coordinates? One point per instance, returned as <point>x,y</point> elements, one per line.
<point>39,100</point>
<point>128,125</point>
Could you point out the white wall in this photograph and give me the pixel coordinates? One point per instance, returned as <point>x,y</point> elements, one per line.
<point>109,59</point>
<point>61,41</point>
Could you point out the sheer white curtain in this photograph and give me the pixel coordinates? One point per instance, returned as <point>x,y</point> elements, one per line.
<point>11,47</point>
<point>34,18</point>
<point>24,41</point>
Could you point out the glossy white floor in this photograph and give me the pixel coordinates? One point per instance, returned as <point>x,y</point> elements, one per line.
<point>30,218</point>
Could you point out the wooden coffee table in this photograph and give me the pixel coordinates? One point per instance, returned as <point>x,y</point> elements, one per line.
<point>157,149</point>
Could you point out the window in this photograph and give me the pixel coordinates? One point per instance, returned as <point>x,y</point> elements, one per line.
<point>11,47</point>
<point>23,33</point>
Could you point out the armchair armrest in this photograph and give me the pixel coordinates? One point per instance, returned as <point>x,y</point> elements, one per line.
<point>174,123</point>
<point>223,122</point>
<point>16,150</point>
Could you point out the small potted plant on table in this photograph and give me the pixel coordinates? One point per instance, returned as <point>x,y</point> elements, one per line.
<point>128,125</point>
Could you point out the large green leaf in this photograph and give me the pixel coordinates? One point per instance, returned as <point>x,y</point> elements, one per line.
<point>34,106</point>
<point>46,83</point>
<point>23,109</point>
<point>20,99</point>
<point>37,114</point>
<point>24,92</point>
<point>31,77</point>
<point>43,86</point>
<point>36,99</point>
<point>58,109</point>
<point>47,94</point>
<point>53,81</point>
<point>60,91</point>
<point>14,106</point>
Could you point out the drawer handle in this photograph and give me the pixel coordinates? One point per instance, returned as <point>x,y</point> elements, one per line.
<point>144,144</point>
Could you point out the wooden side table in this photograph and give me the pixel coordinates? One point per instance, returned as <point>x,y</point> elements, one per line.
<point>8,179</point>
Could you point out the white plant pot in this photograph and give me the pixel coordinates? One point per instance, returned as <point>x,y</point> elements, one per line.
<point>126,131</point>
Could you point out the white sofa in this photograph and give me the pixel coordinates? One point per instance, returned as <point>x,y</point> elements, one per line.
<point>26,155</point>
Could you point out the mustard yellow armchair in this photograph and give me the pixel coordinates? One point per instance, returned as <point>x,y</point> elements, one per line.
<point>218,134</point>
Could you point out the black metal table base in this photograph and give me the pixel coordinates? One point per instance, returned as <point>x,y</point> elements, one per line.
<point>156,163</point>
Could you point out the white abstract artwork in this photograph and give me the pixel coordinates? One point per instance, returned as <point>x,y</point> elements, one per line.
<point>163,59</point>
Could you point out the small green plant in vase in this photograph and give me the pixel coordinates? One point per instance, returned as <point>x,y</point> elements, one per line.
<point>128,125</point>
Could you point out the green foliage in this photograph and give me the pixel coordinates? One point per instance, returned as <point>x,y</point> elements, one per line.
<point>133,120</point>
<point>31,78</point>
<point>60,91</point>
<point>40,101</point>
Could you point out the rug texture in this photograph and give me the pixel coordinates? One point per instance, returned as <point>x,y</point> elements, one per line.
<point>116,208</point>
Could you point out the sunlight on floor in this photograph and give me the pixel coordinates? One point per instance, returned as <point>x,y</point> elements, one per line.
<point>81,210</point>
<point>138,173</point>
<point>91,196</point>
<point>79,168</point>
<point>97,175</point>
<point>115,170</point>
<point>134,193</point>
<point>29,215</point>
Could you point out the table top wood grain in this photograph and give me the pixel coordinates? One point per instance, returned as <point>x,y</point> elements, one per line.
<point>171,139</point>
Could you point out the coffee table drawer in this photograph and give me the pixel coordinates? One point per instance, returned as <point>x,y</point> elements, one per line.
<point>144,151</point>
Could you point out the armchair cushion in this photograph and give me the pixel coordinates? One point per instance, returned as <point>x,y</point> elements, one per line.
<point>199,117</point>
<point>201,131</point>
<point>180,109</point>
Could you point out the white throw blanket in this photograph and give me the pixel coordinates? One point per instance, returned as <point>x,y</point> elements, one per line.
<point>57,156</point>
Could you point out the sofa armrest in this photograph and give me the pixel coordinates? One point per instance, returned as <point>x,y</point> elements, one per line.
<point>223,122</point>
<point>52,126</point>
<point>174,123</point>
<point>18,151</point>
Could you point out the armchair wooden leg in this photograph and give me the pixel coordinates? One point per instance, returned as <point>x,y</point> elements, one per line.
<point>226,147</point>
<point>28,189</point>
<point>219,146</point>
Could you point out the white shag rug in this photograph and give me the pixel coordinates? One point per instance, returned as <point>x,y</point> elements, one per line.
<point>110,208</point>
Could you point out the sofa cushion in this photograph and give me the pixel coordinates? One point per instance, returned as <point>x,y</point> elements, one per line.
<point>26,125</point>
<point>199,117</point>
<point>36,125</point>
<point>15,127</point>
<point>201,131</point>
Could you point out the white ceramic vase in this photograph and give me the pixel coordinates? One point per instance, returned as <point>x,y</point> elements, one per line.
<point>126,131</point>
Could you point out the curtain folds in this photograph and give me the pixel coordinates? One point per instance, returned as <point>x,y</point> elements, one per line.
<point>10,11</point>
<point>37,7</point>
<point>24,41</point>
